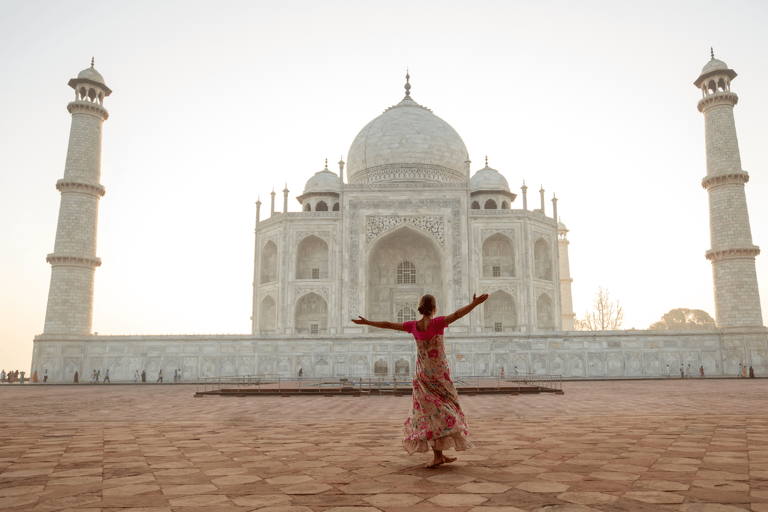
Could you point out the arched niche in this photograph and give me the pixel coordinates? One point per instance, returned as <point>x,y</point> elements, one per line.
<point>545,312</point>
<point>542,260</point>
<point>385,295</point>
<point>406,314</point>
<point>269,263</point>
<point>490,205</point>
<point>268,316</point>
<point>312,258</point>
<point>504,205</point>
<point>498,256</point>
<point>402,367</point>
<point>380,367</point>
<point>321,206</point>
<point>311,315</point>
<point>500,313</point>
<point>475,205</point>
<point>307,207</point>
<point>335,207</point>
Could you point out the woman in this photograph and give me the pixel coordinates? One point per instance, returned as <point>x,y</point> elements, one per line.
<point>437,421</point>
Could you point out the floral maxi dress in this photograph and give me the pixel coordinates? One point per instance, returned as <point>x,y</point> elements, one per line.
<point>437,421</point>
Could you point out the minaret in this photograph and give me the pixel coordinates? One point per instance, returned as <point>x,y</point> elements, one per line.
<point>565,278</point>
<point>73,261</point>
<point>285,198</point>
<point>341,168</point>
<point>737,299</point>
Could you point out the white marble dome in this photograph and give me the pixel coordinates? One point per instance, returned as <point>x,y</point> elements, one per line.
<point>714,65</point>
<point>488,179</point>
<point>323,181</point>
<point>407,133</point>
<point>91,74</point>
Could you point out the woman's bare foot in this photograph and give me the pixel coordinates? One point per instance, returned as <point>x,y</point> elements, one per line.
<point>439,460</point>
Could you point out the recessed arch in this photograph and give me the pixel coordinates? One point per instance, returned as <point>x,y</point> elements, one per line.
<point>504,205</point>
<point>425,273</point>
<point>380,367</point>
<point>335,207</point>
<point>490,205</point>
<point>269,263</point>
<point>311,315</point>
<point>500,313</point>
<point>321,206</point>
<point>498,256</point>
<point>307,207</point>
<point>545,314</point>
<point>402,367</point>
<point>542,260</point>
<point>268,316</point>
<point>406,314</point>
<point>312,258</point>
<point>475,205</point>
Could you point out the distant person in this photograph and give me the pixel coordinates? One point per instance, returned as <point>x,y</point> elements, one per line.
<point>751,372</point>
<point>515,371</point>
<point>106,376</point>
<point>175,375</point>
<point>136,376</point>
<point>2,376</point>
<point>22,377</point>
<point>668,374</point>
<point>77,377</point>
<point>179,374</point>
<point>143,376</point>
<point>93,377</point>
<point>688,372</point>
<point>502,372</point>
<point>682,372</point>
<point>45,375</point>
<point>34,376</point>
<point>98,376</point>
<point>301,372</point>
<point>159,376</point>
<point>741,370</point>
<point>701,371</point>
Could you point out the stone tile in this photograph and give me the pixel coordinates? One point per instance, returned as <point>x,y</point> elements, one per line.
<point>451,478</point>
<point>289,479</point>
<point>587,498</point>
<point>658,497</point>
<point>393,500</point>
<point>130,490</point>
<point>204,500</point>
<point>261,500</point>
<point>661,485</point>
<point>365,488</point>
<point>543,487</point>
<point>305,488</point>
<point>615,475</point>
<point>721,485</point>
<point>484,488</point>
<point>457,500</point>
<point>173,490</point>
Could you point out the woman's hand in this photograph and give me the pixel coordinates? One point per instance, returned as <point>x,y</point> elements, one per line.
<point>476,301</point>
<point>361,321</point>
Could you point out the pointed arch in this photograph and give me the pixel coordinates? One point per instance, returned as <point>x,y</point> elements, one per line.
<point>268,263</point>
<point>402,367</point>
<point>498,256</point>
<point>542,260</point>
<point>311,314</point>
<point>312,258</point>
<point>321,206</point>
<point>380,367</point>
<point>500,313</point>
<point>307,207</point>
<point>268,316</point>
<point>475,205</point>
<point>545,314</point>
<point>490,205</point>
<point>335,207</point>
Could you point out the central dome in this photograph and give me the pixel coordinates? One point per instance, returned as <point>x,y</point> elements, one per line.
<point>407,143</point>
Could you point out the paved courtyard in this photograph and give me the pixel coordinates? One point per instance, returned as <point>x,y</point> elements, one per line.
<point>648,445</point>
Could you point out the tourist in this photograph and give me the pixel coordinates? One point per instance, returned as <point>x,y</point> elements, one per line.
<point>136,377</point>
<point>744,371</point>
<point>688,372</point>
<point>751,372</point>
<point>45,375</point>
<point>77,377</point>
<point>179,374</point>
<point>106,376</point>
<point>301,372</point>
<point>515,371</point>
<point>175,375</point>
<point>22,377</point>
<point>682,372</point>
<point>143,376</point>
<point>741,369</point>
<point>701,371</point>
<point>668,375</point>
<point>160,376</point>
<point>436,422</point>
<point>93,377</point>
<point>98,376</point>
<point>34,376</point>
<point>2,376</point>
<point>502,372</point>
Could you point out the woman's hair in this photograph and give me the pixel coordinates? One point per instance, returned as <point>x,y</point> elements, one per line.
<point>427,304</point>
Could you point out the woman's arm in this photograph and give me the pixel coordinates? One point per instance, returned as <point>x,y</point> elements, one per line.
<point>380,325</point>
<point>476,301</point>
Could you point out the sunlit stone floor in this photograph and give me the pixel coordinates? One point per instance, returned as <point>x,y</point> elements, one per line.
<point>611,446</point>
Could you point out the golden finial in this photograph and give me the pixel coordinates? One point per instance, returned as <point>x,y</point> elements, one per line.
<point>92,59</point>
<point>407,83</point>
<point>486,160</point>
<point>712,52</point>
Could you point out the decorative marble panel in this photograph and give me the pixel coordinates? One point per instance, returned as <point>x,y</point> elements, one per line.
<point>301,235</point>
<point>433,225</point>
<point>485,233</point>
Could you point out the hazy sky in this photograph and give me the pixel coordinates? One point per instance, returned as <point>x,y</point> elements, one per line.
<point>216,103</point>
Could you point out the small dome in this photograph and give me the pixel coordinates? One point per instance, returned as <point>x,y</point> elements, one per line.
<point>714,65</point>
<point>323,181</point>
<point>91,74</point>
<point>488,179</point>
<point>561,227</point>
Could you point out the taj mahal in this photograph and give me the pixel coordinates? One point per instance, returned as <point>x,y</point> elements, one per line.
<point>406,214</point>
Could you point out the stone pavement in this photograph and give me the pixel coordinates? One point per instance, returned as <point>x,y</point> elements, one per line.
<point>693,445</point>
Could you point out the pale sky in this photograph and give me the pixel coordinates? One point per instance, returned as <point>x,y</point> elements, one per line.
<point>216,103</point>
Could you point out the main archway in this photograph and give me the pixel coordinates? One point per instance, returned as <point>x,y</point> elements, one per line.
<point>402,266</point>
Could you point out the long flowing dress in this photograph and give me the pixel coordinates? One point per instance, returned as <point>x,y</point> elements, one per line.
<point>437,421</point>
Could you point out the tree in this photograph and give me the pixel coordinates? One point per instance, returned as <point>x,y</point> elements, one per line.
<point>682,319</point>
<point>605,316</point>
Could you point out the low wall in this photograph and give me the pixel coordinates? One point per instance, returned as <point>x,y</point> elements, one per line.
<point>572,354</point>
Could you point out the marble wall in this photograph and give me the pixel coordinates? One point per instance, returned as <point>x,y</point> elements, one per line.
<point>570,354</point>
